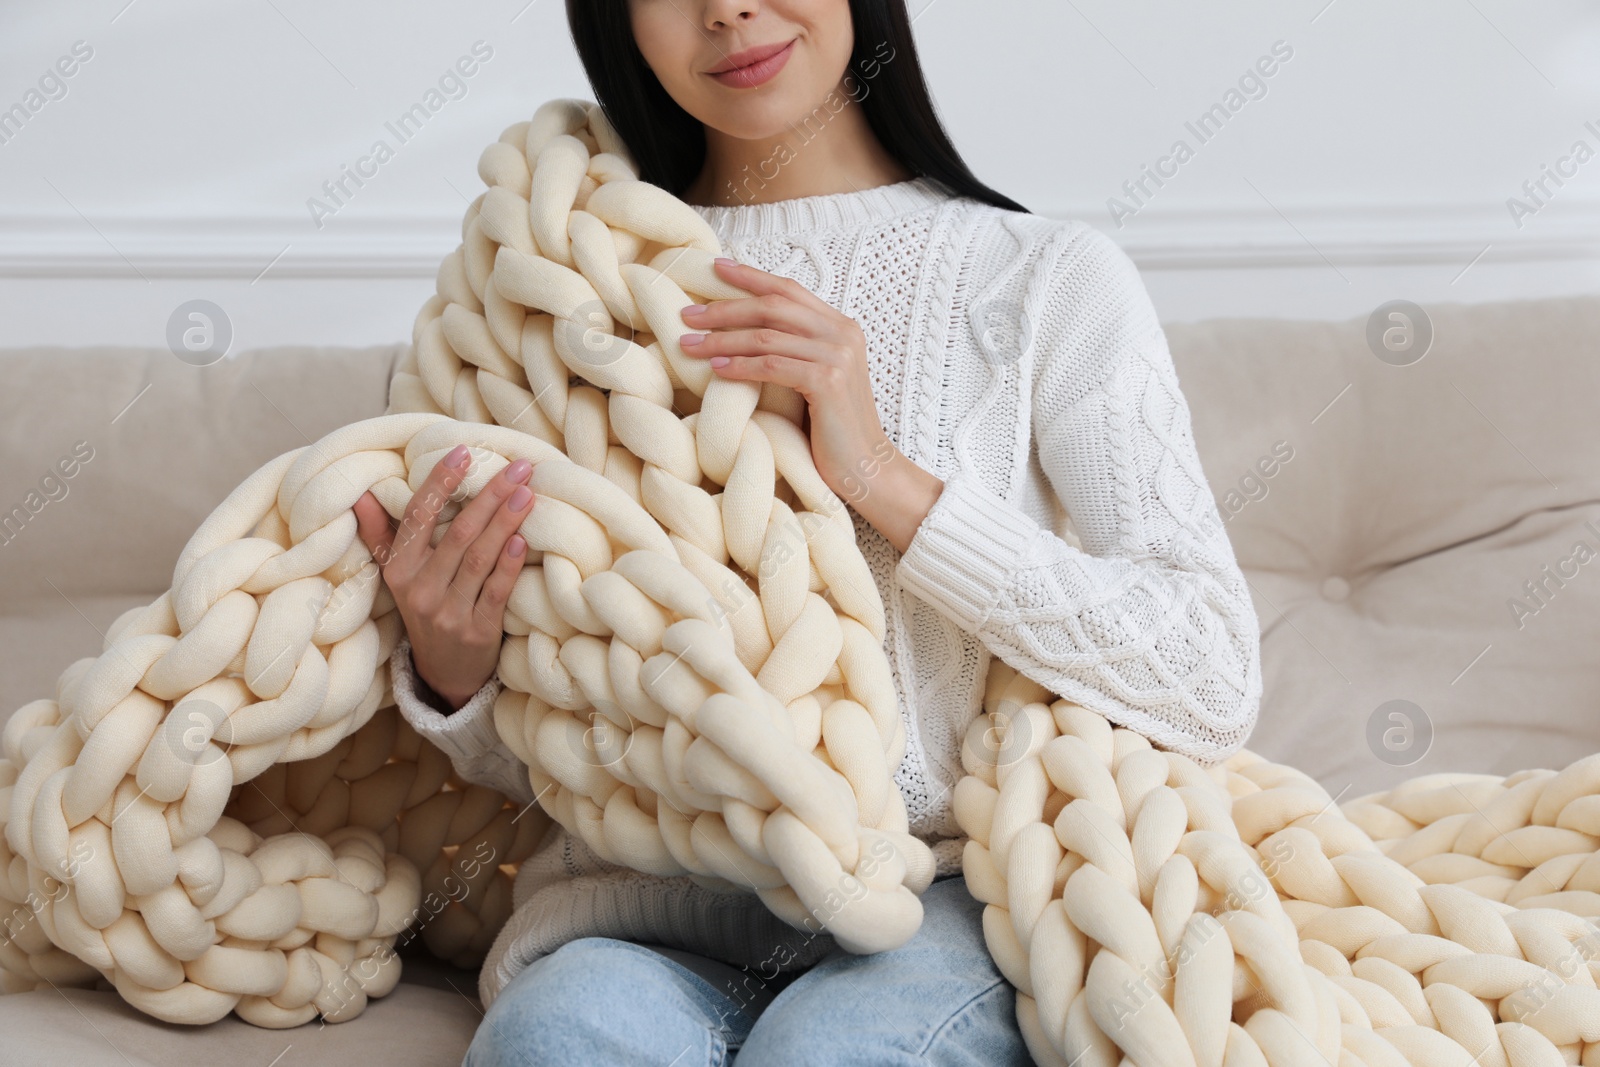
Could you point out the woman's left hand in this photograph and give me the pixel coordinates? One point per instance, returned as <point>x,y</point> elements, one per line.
<point>787,335</point>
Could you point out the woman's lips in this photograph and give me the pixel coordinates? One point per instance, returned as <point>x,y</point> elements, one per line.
<point>756,73</point>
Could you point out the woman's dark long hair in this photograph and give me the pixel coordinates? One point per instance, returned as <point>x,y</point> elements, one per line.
<point>668,143</point>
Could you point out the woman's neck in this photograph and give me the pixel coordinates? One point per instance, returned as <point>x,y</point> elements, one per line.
<point>826,152</point>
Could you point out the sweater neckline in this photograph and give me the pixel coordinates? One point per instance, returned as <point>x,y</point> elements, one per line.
<point>824,211</point>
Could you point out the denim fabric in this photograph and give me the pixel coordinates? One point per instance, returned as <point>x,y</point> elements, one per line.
<point>936,1000</point>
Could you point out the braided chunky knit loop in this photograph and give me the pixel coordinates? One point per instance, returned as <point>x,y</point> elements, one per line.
<point>559,315</point>
<point>745,736</point>
<point>1154,912</point>
<point>222,812</point>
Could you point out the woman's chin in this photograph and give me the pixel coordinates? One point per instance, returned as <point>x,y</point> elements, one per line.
<point>762,115</point>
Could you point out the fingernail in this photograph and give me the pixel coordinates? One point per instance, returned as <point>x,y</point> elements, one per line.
<point>694,309</point>
<point>519,498</point>
<point>518,470</point>
<point>457,456</point>
<point>517,545</point>
<point>691,339</point>
<point>726,262</point>
<point>719,361</point>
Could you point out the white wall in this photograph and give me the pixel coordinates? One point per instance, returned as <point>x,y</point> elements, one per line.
<point>1377,164</point>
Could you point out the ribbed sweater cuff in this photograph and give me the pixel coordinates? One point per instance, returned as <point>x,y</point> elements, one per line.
<point>961,555</point>
<point>464,734</point>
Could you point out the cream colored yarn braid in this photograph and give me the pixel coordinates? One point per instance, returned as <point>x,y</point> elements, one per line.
<point>224,811</point>
<point>1154,912</point>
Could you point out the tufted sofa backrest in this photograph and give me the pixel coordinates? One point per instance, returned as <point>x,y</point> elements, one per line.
<point>1423,531</point>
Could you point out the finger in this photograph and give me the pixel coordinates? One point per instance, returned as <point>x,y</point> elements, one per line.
<point>759,342</point>
<point>412,540</point>
<point>445,561</point>
<point>797,374</point>
<point>754,280</point>
<point>374,527</point>
<point>770,309</point>
<point>497,587</point>
<point>479,558</point>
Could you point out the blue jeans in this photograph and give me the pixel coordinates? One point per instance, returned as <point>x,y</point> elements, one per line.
<point>935,1000</point>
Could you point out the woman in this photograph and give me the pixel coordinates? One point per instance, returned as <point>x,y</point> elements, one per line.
<point>991,392</point>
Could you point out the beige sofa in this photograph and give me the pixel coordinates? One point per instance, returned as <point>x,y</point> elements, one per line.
<point>1388,518</point>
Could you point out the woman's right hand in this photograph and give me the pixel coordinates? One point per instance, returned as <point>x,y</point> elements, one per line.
<point>452,596</point>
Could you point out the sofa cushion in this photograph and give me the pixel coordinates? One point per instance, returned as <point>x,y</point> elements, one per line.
<point>1403,517</point>
<point>114,456</point>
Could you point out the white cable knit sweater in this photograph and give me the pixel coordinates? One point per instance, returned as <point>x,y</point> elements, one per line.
<point>1020,360</point>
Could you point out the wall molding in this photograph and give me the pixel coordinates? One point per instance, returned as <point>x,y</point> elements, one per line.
<point>1193,238</point>
<point>1360,235</point>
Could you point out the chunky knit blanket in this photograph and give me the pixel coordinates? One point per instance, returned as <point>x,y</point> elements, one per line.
<point>224,812</point>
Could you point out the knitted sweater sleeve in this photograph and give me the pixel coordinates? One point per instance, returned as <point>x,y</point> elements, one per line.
<point>467,735</point>
<point>1151,622</point>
